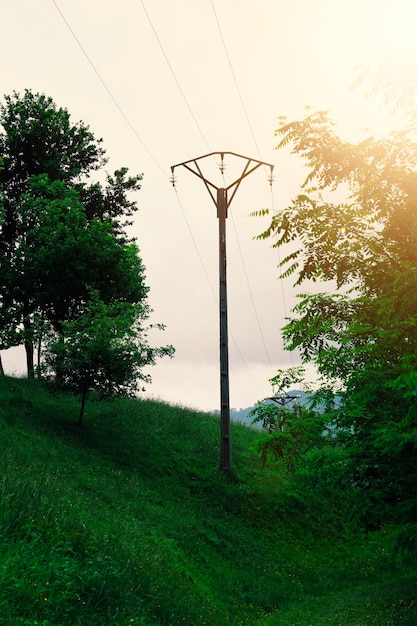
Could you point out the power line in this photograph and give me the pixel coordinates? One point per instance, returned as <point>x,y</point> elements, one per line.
<point>178,198</point>
<point>195,244</point>
<point>235,80</point>
<point>110,94</point>
<point>174,75</point>
<point>207,144</point>
<point>101,79</point>
<point>259,154</point>
<point>251,294</point>
<point>207,276</point>
<point>133,129</point>
<point>131,125</point>
<point>272,195</point>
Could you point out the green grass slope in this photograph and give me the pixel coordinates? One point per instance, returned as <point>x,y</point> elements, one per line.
<point>129,522</point>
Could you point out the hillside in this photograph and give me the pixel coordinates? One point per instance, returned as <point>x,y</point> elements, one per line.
<point>128,522</point>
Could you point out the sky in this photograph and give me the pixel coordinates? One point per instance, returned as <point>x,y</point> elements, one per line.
<point>164,82</point>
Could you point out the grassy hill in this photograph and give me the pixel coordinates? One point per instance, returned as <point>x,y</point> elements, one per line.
<point>128,522</point>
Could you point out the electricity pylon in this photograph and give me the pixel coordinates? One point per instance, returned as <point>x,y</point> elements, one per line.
<point>222,203</point>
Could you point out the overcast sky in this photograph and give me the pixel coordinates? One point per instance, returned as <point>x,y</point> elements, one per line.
<point>163,82</point>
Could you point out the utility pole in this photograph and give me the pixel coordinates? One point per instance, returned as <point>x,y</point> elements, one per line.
<point>222,203</point>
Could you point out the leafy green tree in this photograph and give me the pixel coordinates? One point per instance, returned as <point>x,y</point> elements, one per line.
<point>354,228</point>
<point>292,429</point>
<point>86,292</point>
<point>111,202</point>
<point>70,276</point>
<point>59,231</point>
<point>62,257</point>
<point>104,348</point>
<point>1,225</point>
<point>39,138</point>
<point>63,254</point>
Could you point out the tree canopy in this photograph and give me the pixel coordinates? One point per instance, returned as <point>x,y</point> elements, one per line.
<point>105,347</point>
<point>66,257</point>
<point>353,228</point>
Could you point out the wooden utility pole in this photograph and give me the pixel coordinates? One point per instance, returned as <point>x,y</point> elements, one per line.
<point>222,203</point>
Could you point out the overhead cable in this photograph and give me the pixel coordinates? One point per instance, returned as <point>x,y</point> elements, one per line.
<point>260,156</point>
<point>101,79</point>
<point>174,75</point>
<point>235,80</point>
<point>135,132</point>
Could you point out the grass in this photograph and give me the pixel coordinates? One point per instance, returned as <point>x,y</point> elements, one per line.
<point>129,522</point>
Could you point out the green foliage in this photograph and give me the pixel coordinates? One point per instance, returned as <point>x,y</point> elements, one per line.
<point>64,255</point>
<point>103,348</point>
<point>292,429</point>
<point>284,380</point>
<point>407,541</point>
<point>39,138</point>
<point>382,446</point>
<point>111,202</point>
<point>291,432</point>
<point>61,236</point>
<point>353,227</point>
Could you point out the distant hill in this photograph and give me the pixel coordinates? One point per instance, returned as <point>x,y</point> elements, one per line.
<point>241,415</point>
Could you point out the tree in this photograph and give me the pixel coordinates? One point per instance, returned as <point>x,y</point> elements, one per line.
<point>47,163</point>
<point>105,348</point>
<point>291,428</point>
<point>1,225</point>
<point>362,332</point>
<point>62,254</point>
<point>38,138</point>
<point>86,294</point>
<point>70,277</point>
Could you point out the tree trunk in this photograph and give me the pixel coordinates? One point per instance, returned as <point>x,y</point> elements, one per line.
<point>29,358</point>
<point>1,367</point>
<point>27,325</point>
<point>59,376</point>
<point>38,363</point>
<point>83,399</point>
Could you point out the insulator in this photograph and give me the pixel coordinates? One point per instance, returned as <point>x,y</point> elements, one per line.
<point>172,180</point>
<point>222,167</point>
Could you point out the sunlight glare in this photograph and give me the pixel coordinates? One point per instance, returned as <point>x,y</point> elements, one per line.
<point>392,42</point>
